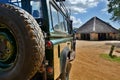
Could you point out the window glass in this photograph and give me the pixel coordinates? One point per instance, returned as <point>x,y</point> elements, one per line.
<point>4,1</point>
<point>66,26</point>
<point>15,2</point>
<point>70,27</point>
<point>36,9</point>
<point>61,22</point>
<point>69,30</point>
<point>54,18</point>
<point>58,21</point>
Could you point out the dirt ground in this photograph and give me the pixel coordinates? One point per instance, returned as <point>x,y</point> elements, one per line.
<point>88,64</point>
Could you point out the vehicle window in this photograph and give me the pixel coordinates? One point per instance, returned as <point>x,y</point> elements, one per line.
<point>69,27</point>
<point>66,26</point>
<point>55,18</point>
<point>15,2</point>
<point>61,22</point>
<point>58,21</point>
<point>36,9</point>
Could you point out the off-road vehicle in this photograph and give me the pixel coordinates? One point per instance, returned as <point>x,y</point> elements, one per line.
<point>36,40</point>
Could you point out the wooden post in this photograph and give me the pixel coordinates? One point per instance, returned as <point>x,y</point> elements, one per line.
<point>111,51</point>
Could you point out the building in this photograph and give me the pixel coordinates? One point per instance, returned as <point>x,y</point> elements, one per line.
<point>97,29</point>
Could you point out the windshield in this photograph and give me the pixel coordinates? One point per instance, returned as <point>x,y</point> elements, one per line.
<point>36,9</point>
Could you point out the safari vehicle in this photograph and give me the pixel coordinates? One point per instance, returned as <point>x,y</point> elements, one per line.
<point>36,40</point>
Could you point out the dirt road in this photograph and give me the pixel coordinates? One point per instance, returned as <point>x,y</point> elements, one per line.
<point>88,64</point>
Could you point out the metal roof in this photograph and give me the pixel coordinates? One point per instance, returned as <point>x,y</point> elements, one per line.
<point>96,25</point>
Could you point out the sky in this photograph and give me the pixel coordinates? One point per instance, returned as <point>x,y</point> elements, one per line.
<point>83,10</point>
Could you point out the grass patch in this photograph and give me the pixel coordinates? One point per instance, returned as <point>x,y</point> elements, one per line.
<point>107,57</point>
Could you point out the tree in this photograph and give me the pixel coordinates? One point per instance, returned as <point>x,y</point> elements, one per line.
<point>119,30</point>
<point>114,9</point>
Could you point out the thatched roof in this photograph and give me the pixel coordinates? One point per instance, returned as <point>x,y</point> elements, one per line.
<point>96,25</point>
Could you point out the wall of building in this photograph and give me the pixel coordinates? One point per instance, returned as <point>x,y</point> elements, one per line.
<point>114,36</point>
<point>78,36</point>
<point>93,36</point>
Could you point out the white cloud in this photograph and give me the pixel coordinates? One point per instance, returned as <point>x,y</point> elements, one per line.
<point>104,9</point>
<point>106,1</point>
<point>78,10</point>
<point>76,22</point>
<point>81,6</point>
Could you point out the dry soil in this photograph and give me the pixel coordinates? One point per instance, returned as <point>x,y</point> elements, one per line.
<point>88,64</point>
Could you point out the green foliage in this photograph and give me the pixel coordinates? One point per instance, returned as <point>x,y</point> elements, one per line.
<point>107,57</point>
<point>119,30</point>
<point>114,9</point>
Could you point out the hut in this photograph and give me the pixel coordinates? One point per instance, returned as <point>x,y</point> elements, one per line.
<point>97,29</point>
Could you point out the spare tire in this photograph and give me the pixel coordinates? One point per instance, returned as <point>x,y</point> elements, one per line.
<point>21,44</point>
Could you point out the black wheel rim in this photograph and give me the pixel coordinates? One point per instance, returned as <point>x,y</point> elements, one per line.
<point>8,48</point>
